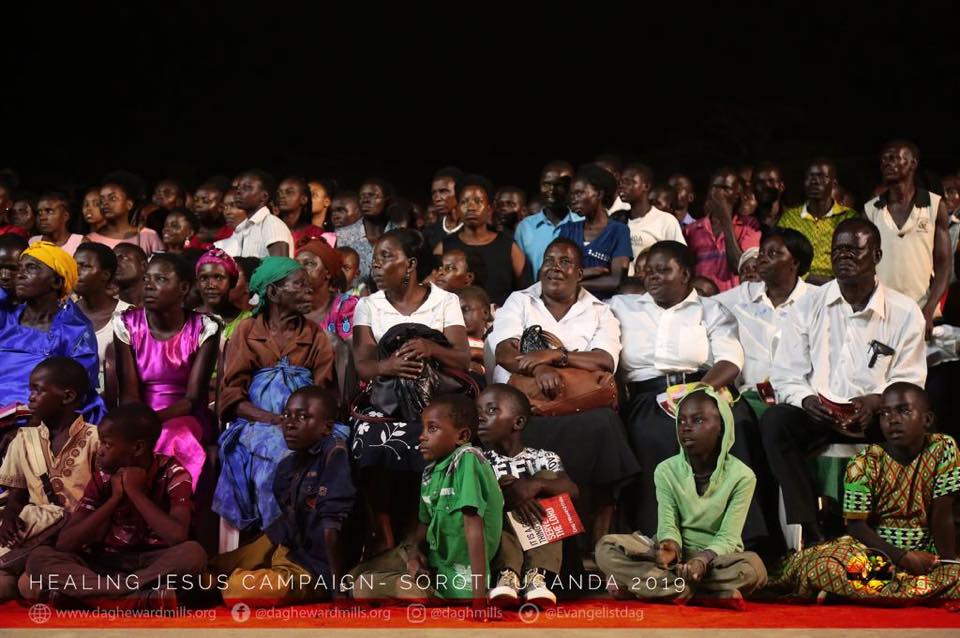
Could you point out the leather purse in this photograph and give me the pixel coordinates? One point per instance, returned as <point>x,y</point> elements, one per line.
<point>582,389</point>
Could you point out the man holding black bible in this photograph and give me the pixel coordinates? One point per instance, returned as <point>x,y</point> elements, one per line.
<point>844,344</point>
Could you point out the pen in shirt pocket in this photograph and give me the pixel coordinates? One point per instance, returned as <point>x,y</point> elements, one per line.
<point>878,350</point>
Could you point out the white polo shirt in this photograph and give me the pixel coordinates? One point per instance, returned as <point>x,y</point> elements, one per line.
<point>254,235</point>
<point>907,264</point>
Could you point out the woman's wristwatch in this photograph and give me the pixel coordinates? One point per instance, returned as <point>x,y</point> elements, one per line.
<point>564,359</point>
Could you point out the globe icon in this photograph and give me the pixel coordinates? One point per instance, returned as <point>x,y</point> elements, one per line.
<point>40,613</point>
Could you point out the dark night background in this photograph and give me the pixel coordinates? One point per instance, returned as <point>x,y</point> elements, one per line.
<point>193,90</point>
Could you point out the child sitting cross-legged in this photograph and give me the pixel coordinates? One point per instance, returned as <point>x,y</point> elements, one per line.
<point>898,505</point>
<point>300,556</point>
<point>132,525</point>
<point>703,494</point>
<point>461,517</point>
<point>524,474</point>
<point>47,465</point>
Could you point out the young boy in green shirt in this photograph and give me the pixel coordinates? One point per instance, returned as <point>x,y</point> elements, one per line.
<point>461,517</point>
<point>703,494</point>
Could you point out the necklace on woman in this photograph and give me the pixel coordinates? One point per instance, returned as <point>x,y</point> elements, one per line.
<point>450,231</point>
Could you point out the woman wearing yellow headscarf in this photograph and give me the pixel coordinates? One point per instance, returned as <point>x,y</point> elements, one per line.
<point>42,322</point>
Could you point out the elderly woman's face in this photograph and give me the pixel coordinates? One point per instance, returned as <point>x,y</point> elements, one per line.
<point>390,265</point>
<point>316,272</point>
<point>665,279</point>
<point>293,294</point>
<point>561,272</point>
<point>35,278</point>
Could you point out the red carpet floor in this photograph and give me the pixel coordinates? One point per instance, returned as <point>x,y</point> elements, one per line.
<point>592,614</point>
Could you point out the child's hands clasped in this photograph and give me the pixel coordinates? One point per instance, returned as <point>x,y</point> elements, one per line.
<point>692,570</point>
<point>116,485</point>
<point>668,553</point>
<point>134,479</point>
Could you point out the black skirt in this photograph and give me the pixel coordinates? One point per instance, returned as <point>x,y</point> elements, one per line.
<point>394,445</point>
<point>592,446</point>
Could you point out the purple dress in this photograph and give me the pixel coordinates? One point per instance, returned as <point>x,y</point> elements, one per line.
<point>163,368</point>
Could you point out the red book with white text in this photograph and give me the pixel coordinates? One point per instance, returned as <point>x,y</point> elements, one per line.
<point>561,521</point>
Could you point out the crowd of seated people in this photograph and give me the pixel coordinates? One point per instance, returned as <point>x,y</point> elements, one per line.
<point>362,398</point>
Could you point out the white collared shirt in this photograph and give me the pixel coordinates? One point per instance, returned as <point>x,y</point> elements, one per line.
<point>440,310</point>
<point>825,347</point>
<point>692,335</point>
<point>588,325</point>
<point>760,325</point>
<point>254,235</point>
<point>907,264</point>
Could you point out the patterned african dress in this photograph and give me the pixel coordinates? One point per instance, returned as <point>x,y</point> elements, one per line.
<point>896,501</point>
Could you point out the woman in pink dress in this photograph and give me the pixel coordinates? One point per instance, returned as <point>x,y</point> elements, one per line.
<point>165,356</point>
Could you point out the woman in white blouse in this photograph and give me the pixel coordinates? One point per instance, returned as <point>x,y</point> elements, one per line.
<point>674,337</point>
<point>387,455</point>
<point>592,445</point>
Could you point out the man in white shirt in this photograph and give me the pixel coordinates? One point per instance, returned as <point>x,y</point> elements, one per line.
<point>914,229</point>
<point>841,347</point>
<point>261,234</point>
<point>763,307</point>
<point>647,223</point>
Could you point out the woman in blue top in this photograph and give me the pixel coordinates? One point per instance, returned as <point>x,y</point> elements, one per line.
<point>605,242</point>
<point>45,323</point>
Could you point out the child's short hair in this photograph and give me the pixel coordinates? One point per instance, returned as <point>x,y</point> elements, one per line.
<point>347,250</point>
<point>474,293</point>
<point>463,410</point>
<point>135,422</point>
<point>67,373</point>
<point>513,397</point>
<point>326,397</point>
<point>903,386</point>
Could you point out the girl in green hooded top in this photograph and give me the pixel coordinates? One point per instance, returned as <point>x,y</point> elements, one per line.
<point>703,494</point>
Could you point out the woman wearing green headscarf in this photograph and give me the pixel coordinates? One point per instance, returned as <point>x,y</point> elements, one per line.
<point>269,356</point>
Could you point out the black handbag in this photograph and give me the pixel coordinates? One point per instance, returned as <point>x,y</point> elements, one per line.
<point>405,399</point>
